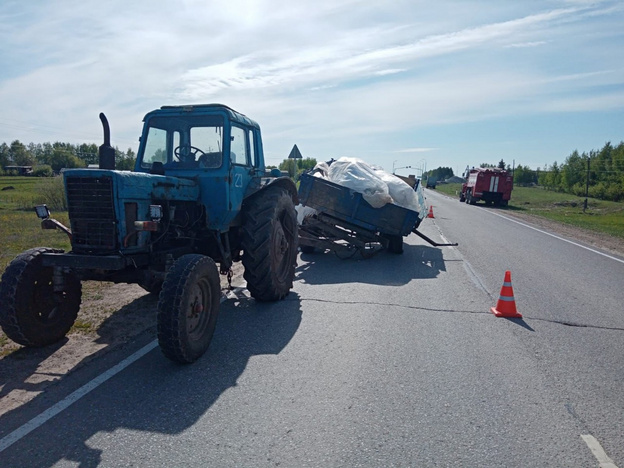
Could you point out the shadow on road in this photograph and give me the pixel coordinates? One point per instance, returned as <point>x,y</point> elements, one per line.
<point>18,371</point>
<point>521,322</point>
<point>33,370</point>
<point>386,269</point>
<point>159,396</point>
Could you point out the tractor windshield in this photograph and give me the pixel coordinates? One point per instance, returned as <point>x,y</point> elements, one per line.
<point>186,142</point>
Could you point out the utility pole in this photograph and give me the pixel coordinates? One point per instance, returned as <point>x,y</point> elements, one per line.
<point>586,186</point>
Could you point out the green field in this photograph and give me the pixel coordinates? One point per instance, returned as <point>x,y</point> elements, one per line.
<point>20,229</point>
<point>601,216</point>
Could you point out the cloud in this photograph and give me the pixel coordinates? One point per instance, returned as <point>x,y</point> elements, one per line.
<point>352,56</point>
<point>352,76</point>
<point>526,44</point>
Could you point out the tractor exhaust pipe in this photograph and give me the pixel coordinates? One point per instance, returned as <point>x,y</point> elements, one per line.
<point>106,152</point>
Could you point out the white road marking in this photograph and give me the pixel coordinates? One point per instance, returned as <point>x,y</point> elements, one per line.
<point>557,237</point>
<point>593,444</point>
<point>72,398</point>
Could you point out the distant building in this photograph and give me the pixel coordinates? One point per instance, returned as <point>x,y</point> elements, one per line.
<point>21,170</point>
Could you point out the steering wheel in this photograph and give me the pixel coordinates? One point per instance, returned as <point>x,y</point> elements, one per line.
<point>189,151</point>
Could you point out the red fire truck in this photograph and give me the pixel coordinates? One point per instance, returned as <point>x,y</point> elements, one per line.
<point>492,185</point>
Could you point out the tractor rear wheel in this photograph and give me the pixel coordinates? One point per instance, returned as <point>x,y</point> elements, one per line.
<point>31,312</point>
<point>270,239</point>
<point>188,307</point>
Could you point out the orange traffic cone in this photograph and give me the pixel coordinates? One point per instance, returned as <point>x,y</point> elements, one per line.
<point>430,214</point>
<point>506,305</point>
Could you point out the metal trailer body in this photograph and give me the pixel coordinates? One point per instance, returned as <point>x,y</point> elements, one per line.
<point>347,224</point>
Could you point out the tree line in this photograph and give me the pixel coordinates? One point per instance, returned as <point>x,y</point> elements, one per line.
<point>49,158</point>
<point>441,173</point>
<point>600,173</point>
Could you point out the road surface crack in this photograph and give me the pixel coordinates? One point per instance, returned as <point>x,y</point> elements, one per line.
<point>454,311</point>
<point>391,304</point>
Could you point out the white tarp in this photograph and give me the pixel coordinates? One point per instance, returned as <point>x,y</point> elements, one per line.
<point>400,191</point>
<point>362,178</point>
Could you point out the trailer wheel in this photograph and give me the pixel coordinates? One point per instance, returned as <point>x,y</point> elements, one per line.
<point>31,313</point>
<point>395,244</point>
<point>188,307</point>
<point>307,249</point>
<point>270,238</point>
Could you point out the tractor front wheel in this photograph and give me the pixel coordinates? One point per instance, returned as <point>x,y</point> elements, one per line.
<point>270,239</point>
<point>32,313</point>
<point>188,306</point>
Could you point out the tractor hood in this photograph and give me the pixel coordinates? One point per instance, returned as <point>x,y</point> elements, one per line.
<point>137,185</point>
<point>103,206</point>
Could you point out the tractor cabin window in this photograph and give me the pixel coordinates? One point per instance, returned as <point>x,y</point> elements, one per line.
<point>238,146</point>
<point>187,142</point>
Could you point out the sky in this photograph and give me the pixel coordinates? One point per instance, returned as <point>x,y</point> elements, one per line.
<point>407,85</point>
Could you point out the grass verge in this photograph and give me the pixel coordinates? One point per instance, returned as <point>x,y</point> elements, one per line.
<point>601,216</point>
<point>20,229</point>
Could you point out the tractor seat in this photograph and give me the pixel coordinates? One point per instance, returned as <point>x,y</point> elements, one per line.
<point>157,168</point>
<point>211,160</point>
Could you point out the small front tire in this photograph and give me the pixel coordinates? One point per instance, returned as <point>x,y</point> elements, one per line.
<point>31,312</point>
<point>188,307</point>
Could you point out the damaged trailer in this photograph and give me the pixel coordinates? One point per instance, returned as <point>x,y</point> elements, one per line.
<point>347,224</point>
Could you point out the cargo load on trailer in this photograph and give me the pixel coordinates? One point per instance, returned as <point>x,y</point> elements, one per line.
<point>492,185</point>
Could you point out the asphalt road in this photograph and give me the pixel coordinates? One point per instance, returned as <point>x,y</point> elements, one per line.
<point>389,361</point>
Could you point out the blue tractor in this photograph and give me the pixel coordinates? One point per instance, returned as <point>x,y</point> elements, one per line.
<point>199,196</point>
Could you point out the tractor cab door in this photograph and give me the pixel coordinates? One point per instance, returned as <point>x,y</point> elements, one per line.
<point>242,157</point>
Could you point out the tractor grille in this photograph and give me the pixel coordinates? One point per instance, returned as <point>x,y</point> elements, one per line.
<point>92,214</point>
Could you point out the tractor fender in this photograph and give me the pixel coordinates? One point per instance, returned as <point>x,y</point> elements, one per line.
<point>283,182</point>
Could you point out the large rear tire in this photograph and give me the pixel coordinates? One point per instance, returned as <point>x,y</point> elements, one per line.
<point>31,313</point>
<point>270,239</point>
<point>188,307</point>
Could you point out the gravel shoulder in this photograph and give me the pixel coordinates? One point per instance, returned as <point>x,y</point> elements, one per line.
<point>112,315</point>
